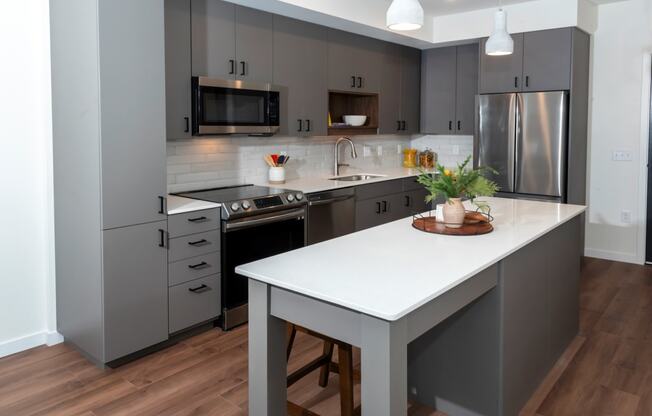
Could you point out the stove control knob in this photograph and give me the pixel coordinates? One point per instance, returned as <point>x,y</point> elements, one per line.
<point>235,206</point>
<point>290,197</point>
<point>299,196</point>
<point>246,205</point>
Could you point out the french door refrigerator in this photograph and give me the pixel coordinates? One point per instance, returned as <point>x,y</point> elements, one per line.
<point>523,136</point>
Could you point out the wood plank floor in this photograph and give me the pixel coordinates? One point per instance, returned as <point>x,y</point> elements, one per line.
<point>610,373</point>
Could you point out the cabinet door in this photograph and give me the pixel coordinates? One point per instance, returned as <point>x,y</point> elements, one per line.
<point>467,88</point>
<point>353,62</point>
<point>438,74</point>
<point>213,39</point>
<point>253,44</point>
<point>132,83</point>
<point>300,69</point>
<point>368,53</point>
<point>135,289</point>
<point>370,213</point>
<point>177,68</point>
<point>389,106</point>
<point>414,202</point>
<point>410,90</point>
<point>502,73</point>
<point>547,60</point>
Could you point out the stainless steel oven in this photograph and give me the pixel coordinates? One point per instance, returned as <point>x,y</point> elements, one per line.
<point>231,107</point>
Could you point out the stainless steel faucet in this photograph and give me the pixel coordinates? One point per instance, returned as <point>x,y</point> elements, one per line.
<point>337,163</point>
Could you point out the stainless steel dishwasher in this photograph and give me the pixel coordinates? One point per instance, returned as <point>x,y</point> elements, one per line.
<point>330,214</point>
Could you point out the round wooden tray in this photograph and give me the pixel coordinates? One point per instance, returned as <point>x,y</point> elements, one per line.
<point>470,227</point>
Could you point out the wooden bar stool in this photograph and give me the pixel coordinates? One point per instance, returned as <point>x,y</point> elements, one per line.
<point>325,363</point>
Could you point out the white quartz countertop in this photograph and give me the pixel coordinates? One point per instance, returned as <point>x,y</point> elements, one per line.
<point>390,270</point>
<point>323,183</point>
<point>179,205</point>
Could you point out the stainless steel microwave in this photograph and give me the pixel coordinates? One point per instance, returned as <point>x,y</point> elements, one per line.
<point>234,107</point>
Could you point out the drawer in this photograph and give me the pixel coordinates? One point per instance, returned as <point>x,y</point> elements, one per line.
<point>194,302</point>
<point>411,184</point>
<point>193,222</point>
<point>193,268</point>
<point>193,245</point>
<point>374,190</point>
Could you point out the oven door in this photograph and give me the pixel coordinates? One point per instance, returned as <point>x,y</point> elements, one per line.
<point>227,106</point>
<point>250,239</point>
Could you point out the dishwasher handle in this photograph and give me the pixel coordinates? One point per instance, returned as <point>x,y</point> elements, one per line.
<point>329,201</point>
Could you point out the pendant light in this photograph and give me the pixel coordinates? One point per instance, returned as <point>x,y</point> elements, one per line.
<point>499,43</point>
<point>405,15</point>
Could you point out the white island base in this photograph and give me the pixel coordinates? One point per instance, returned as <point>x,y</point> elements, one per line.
<point>468,336</point>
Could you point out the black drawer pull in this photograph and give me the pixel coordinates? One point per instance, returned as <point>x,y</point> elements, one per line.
<point>232,71</point>
<point>359,82</point>
<point>398,125</point>
<point>459,125</point>
<point>243,68</point>
<point>352,82</point>
<point>198,219</point>
<point>384,206</point>
<point>199,289</point>
<point>450,125</point>
<point>377,207</point>
<point>527,80</point>
<point>307,125</point>
<point>407,200</point>
<point>162,235</point>
<point>161,207</point>
<point>403,125</point>
<point>201,242</point>
<point>187,120</point>
<point>515,82</point>
<point>300,124</point>
<point>201,265</point>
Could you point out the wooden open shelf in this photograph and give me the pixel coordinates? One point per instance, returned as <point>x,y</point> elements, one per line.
<point>344,103</point>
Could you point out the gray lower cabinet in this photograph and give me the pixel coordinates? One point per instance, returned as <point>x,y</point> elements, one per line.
<point>300,69</point>
<point>135,289</point>
<point>178,70</point>
<point>353,62</point>
<point>194,302</point>
<point>501,73</point>
<point>213,39</point>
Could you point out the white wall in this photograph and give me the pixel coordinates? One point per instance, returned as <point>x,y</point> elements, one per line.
<point>27,308</point>
<point>621,44</point>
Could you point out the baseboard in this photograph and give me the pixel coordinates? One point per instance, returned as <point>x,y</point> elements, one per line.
<point>16,345</point>
<point>611,255</point>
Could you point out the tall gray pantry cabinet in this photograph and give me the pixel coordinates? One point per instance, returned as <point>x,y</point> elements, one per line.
<point>108,98</point>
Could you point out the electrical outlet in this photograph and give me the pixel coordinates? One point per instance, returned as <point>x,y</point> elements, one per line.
<point>366,151</point>
<point>379,150</point>
<point>626,216</point>
<point>399,149</point>
<point>456,150</point>
<point>621,156</point>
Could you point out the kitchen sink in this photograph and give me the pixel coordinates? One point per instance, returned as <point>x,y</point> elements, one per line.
<point>353,178</point>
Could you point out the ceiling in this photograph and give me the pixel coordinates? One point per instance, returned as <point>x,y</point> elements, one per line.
<point>443,7</point>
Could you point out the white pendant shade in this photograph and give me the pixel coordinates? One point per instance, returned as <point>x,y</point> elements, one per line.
<point>405,15</point>
<point>499,43</point>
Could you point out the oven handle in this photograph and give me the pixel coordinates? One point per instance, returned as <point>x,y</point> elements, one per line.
<point>252,222</point>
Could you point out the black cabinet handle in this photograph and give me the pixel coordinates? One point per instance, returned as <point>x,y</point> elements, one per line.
<point>198,243</point>
<point>300,124</point>
<point>398,125</point>
<point>459,125</point>
<point>307,125</point>
<point>450,125</point>
<point>384,206</point>
<point>198,289</point>
<point>377,207</point>
<point>407,200</point>
<point>352,82</point>
<point>515,82</point>
<point>161,208</point>
<point>242,63</point>
<point>527,80</point>
<point>162,234</point>
<point>403,125</point>
<point>198,219</point>
<point>187,120</point>
<point>232,63</point>
<point>359,82</point>
<point>198,265</point>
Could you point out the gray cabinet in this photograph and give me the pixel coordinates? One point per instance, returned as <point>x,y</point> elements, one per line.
<point>135,289</point>
<point>213,39</point>
<point>400,88</point>
<point>353,62</point>
<point>194,302</point>
<point>501,73</point>
<point>410,90</point>
<point>448,88</point>
<point>177,68</point>
<point>231,42</point>
<point>547,60</point>
<point>300,69</point>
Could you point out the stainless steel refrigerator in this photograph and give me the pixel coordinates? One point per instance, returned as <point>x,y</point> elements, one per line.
<point>523,136</point>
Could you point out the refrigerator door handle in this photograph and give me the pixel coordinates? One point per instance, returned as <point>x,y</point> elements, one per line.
<point>518,136</point>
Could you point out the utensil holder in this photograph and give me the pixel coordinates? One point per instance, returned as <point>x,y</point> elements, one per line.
<point>276,175</point>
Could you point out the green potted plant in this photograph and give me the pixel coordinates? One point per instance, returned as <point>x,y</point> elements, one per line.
<point>456,184</point>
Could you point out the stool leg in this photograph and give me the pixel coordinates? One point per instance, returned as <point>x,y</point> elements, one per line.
<point>345,357</point>
<point>324,372</point>
<point>291,334</point>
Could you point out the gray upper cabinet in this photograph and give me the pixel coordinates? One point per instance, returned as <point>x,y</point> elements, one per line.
<point>502,73</point>
<point>353,62</point>
<point>177,68</point>
<point>300,69</point>
<point>213,39</point>
<point>547,60</point>
<point>132,84</point>
<point>467,88</point>
<point>438,80</point>
<point>389,105</point>
<point>410,90</point>
<point>253,44</point>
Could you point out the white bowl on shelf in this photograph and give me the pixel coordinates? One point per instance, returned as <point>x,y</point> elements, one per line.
<point>355,121</point>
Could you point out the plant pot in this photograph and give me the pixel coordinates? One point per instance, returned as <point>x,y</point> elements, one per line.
<point>454,213</point>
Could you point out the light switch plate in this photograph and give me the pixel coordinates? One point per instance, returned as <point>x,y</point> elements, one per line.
<point>379,150</point>
<point>366,151</point>
<point>399,149</point>
<point>626,216</point>
<point>621,156</point>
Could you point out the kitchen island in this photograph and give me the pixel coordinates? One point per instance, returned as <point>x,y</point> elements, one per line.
<point>468,325</point>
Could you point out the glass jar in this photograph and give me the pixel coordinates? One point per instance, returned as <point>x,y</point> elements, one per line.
<point>410,158</point>
<point>427,159</point>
